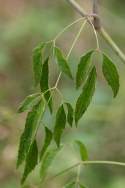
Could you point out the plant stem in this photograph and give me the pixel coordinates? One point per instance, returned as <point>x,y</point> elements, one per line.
<point>89,163</point>
<point>113,45</point>
<point>102,32</point>
<point>96,21</point>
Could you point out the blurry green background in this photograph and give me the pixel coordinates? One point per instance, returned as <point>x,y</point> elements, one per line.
<point>23,24</point>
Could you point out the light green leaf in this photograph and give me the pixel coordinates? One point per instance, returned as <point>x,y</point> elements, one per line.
<point>83,150</point>
<point>70,185</point>
<point>83,69</point>
<point>48,139</point>
<point>32,123</point>
<point>31,161</point>
<point>29,102</point>
<point>70,114</point>
<point>62,62</point>
<point>59,124</point>
<point>81,186</point>
<point>44,83</point>
<point>110,74</point>
<point>47,162</point>
<point>37,62</point>
<point>86,95</point>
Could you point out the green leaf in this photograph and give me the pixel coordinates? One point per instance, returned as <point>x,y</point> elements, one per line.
<point>86,95</point>
<point>70,185</point>
<point>29,102</point>
<point>47,161</point>
<point>44,83</point>
<point>83,150</point>
<point>31,161</point>
<point>81,186</point>
<point>70,114</point>
<point>83,68</point>
<point>48,139</point>
<point>37,62</point>
<point>32,123</point>
<point>59,124</point>
<point>110,74</point>
<point>62,62</point>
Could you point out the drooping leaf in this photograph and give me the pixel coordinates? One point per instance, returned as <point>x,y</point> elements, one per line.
<point>86,95</point>
<point>29,102</point>
<point>44,83</point>
<point>59,124</point>
<point>37,62</point>
<point>70,114</point>
<point>62,62</point>
<point>31,160</point>
<point>83,151</point>
<point>48,139</point>
<point>47,161</point>
<point>81,186</point>
<point>83,69</point>
<point>110,74</point>
<point>70,185</point>
<point>32,123</point>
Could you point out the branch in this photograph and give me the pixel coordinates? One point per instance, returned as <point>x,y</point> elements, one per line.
<point>96,21</point>
<point>102,32</point>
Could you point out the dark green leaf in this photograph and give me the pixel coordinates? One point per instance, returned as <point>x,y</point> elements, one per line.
<point>86,95</point>
<point>31,160</point>
<point>83,150</point>
<point>48,139</point>
<point>70,185</point>
<point>70,114</point>
<point>59,124</point>
<point>37,62</point>
<point>62,62</point>
<point>111,74</point>
<point>47,161</point>
<point>44,83</point>
<point>32,123</point>
<point>29,102</point>
<point>83,68</point>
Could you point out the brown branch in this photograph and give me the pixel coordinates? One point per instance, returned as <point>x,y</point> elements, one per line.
<point>96,21</point>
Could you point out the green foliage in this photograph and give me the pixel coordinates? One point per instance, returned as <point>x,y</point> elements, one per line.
<point>83,68</point>
<point>59,124</point>
<point>83,150</point>
<point>37,63</point>
<point>62,62</point>
<point>70,114</point>
<point>44,85</point>
<point>29,102</point>
<point>32,123</point>
<point>86,95</point>
<point>81,186</point>
<point>31,160</point>
<point>70,185</point>
<point>48,139</point>
<point>110,74</point>
<point>47,161</point>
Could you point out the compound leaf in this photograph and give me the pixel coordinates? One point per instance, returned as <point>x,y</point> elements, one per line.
<point>59,124</point>
<point>83,68</point>
<point>32,123</point>
<point>44,83</point>
<point>62,62</point>
<point>86,95</point>
<point>48,139</point>
<point>47,161</point>
<point>29,102</point>
<point>37,62</point>
<point>31,160</point>
<point>70,114</point>
<point>83,150</point>
<point>110,74</point>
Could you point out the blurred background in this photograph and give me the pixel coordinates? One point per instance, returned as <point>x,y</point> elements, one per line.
<point>23,24</point>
